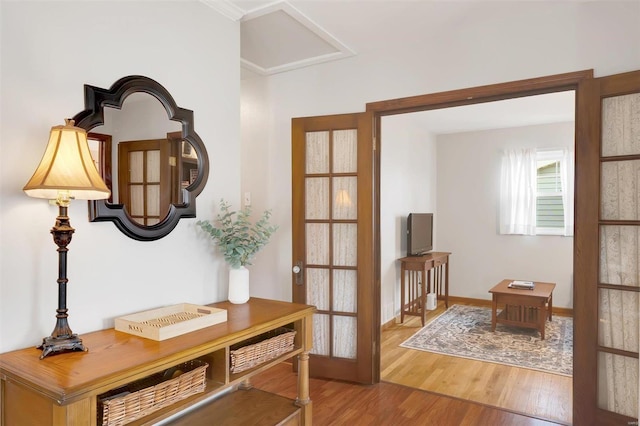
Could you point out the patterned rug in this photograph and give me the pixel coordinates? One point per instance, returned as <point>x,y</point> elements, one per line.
<point>465,331</point>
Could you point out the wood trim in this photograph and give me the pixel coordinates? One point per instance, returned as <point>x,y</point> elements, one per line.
<point>585,265</point>
<point>587,256</point>
<point>104,159</point>
<point>377,249</point>
<point>297,199</point>
<point>480,94</point>
<point>368,310</point>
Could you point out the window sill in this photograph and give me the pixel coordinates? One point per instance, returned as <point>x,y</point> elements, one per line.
<point>551,232</point>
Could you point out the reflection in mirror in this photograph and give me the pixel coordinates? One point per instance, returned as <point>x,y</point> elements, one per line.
<point>148,154</point>
<point>147,157</point>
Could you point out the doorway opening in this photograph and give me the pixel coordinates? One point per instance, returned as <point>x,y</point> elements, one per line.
<point>390,222</point>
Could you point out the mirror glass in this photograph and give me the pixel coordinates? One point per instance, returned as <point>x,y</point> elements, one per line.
<point>152,160</point>
<point>148,154</point>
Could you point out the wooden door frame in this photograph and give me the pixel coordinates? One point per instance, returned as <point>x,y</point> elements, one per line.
<point>583,380</point>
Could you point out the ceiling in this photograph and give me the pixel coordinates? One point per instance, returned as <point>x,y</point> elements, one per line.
<point>282,36</point>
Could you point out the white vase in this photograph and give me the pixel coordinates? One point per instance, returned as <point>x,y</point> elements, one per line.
<point>238,285</point>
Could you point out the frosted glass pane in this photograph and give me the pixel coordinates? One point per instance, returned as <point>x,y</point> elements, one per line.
<point>317,152</point>
<point>317,198</point>
<point>618,319</point>
<point>344,290</point>
<point>320,335</point>
<point>136,206</point>
<point>153,166</point>
<point>620,190</point>
<point>618,384</point>
<point>153,200</point>
<point>345,244</point>
<point>152,221</point>
<point>317,247</point>
<point>344,337</point>
<point>136,168</point>
<point>619,255</point>
<point>345,198</point>
<point>621,125</point>
<point>345,151</point>
<point>318,288</point>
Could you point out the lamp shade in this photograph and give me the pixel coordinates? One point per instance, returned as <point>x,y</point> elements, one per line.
<point>67,166</point>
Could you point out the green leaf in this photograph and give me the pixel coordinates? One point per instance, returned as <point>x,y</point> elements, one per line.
<point>237,237</point>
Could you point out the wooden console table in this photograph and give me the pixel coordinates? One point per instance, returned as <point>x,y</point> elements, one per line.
<point>417,273</point>
<point>63,389</point>
<point>522,308</point>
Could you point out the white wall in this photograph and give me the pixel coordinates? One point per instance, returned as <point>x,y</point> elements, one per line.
<point>49,51</point>
<point>500,43</point>
<point>262,160</point>
<point>111,274</point>
<point>408,165</point>
<point>468,214</point>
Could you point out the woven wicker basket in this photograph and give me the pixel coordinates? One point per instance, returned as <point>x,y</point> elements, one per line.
<point>140,398</point>
<point>260,349</point>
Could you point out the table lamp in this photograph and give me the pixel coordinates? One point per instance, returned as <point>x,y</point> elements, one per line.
<point>66,171</point>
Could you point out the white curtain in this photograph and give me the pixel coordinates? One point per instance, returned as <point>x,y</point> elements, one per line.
<point>567,168</point>
<point>518,192</point>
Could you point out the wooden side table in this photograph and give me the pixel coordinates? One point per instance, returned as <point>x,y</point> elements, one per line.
<point>522,308</point>
<point>416,275</point>
<point>63,390</point>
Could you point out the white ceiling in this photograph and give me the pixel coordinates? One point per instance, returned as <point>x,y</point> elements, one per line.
<point>282,36</point>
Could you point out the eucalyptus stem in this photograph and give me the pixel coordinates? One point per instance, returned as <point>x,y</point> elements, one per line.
<point>238,238</point>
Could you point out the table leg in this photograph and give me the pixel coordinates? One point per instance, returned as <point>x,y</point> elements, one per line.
<point>423,297</point>
<point>402,273</point>
<point>446,284</point>
<point>542,319</point>
<point>550,306</point>
<point>494,308</point>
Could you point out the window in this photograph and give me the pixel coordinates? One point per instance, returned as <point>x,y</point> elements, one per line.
<point>549,195</point>
<point>536,192</point>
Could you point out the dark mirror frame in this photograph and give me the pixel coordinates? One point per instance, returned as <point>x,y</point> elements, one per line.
<point>95,100</point>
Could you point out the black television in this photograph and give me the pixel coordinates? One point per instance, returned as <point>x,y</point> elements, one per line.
<point>419,233</point>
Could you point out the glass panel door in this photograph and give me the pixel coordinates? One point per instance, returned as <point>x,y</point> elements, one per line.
<point>619,274</point>
<point>333,250</point>
<point>331,239</point>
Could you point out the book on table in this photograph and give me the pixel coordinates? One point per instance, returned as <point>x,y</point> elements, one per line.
<point>521,285</point>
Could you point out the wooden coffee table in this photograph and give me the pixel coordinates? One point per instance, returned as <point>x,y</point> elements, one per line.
<point>522,308</point>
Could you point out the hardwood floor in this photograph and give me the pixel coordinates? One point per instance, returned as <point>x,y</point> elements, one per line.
<point>538,394</point>
<point>420,388</point>
<point>338,403</point>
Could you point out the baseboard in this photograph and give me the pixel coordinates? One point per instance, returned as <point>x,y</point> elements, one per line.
<point>393,321</point>
<point>565,312</point>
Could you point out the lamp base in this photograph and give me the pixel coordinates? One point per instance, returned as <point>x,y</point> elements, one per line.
<point>53,345</point>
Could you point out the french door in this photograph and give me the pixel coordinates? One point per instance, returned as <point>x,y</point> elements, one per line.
<point>143,180</point>
<point>333,243</point>
<point>606,243</point>
<point>607,269</point>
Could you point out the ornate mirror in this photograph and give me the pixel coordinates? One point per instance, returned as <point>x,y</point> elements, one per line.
<point>148,154</point>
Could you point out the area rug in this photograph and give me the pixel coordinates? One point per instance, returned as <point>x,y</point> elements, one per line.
<point>465,331</point>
